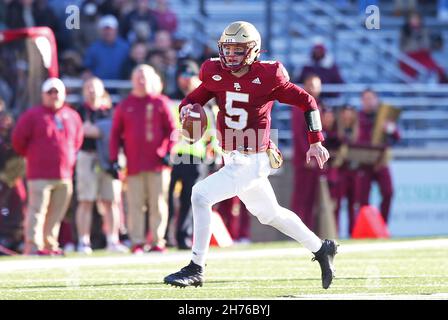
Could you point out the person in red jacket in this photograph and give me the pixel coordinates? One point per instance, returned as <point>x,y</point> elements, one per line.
<point>306,173</point>
<point>143,122</point>
<point>348,182</point>
<point>48,136</point>
<point>380,173</point>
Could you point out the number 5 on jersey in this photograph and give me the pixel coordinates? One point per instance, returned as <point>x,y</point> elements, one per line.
<point>242,114</point>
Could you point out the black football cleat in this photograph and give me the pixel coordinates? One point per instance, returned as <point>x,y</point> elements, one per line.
<point>191,275</point>
<point>325,257</point>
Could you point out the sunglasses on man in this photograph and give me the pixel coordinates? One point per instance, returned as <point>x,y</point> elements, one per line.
<point>52,91</point>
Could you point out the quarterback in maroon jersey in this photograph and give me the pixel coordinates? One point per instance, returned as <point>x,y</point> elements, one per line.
<point>245,90</point>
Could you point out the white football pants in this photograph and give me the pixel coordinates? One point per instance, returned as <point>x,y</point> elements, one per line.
<point>245,176</point>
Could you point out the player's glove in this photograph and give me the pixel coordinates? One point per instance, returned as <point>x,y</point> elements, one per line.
<point>275,156</point>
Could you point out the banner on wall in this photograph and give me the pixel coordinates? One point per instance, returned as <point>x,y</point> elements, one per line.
<point>420,203</point>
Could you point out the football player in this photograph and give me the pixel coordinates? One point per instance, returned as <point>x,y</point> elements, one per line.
<point>245,89</point>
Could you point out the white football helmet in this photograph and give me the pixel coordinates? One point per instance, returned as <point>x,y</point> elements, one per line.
<point>240,33</point>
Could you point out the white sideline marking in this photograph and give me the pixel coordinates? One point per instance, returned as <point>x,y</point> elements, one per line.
<point>33,263</point>
<point>373,296</point>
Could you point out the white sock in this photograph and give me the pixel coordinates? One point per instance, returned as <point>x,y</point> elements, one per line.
<point>202,211</point>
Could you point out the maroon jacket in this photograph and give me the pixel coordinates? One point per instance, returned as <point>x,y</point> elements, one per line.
<point>366,124</point>
<point>144,125</point>
<point>166,20</point>
<point>49,140</point>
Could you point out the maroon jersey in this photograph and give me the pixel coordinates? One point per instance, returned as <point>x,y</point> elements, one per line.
<point>366,126</point>
<point>245,103</point>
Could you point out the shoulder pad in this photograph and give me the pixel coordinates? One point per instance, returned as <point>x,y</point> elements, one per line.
<point>209,68</point>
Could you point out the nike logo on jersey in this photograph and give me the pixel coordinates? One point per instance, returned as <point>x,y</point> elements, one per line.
<point>256,81</point>
<point>237,86</point>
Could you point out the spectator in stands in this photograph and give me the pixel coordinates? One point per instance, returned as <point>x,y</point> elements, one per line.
<point>379,173</point>
<point>156,58</point>
<point>71,65</point>
<point>12,190</point>
<point>207,52</point>
<point>322,65</point>
<point>305,174</point>
<point>96,182</point>
<point>137,55</point>
<point>86,34</point>
<point>144,123</point>
<point>59,8</point>
<point>105,57</point>
<point>164,62</point>
<point>404,6</point>
<point>20,14</point>
<point>33,13</point>
<point>170,73</point>
<point>117,8</point>
<point>162,40</point>
<point>165,17</point>
<point>48,136</point>
<point>3,5</point>
<point>183,45</point>
<point>140,24</point>
<point>164,59</point>
<point>415,42</point>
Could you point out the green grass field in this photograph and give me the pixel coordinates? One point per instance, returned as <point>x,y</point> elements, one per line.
<point>394,269</point>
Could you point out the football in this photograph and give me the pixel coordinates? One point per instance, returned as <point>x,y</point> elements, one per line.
<point>194,126</point>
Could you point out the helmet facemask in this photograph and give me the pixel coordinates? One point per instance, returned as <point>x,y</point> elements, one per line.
<point>243,54</point>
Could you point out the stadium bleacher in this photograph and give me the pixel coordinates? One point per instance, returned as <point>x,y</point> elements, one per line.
<point>375,53</point>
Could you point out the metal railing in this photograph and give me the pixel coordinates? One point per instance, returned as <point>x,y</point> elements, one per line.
<point>423,121</point>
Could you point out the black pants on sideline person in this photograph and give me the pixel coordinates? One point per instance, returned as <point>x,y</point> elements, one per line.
<point>187,172</point>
